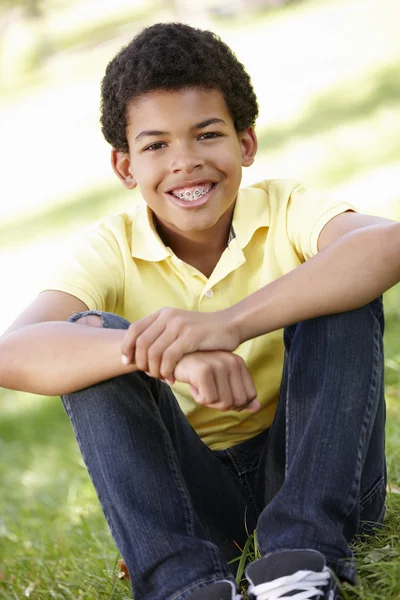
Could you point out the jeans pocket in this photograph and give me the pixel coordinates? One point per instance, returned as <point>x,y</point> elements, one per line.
<point>373,507</point>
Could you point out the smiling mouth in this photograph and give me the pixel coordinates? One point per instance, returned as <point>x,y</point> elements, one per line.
<point>192,194</point>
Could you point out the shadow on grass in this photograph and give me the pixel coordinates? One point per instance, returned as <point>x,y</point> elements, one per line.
<point>52,529</point>
<point>338,106</point>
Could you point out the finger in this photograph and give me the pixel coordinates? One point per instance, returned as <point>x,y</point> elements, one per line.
<point>177,348</point>
<point>129,341</point>
<point>143,344</point>
<point>254,406</point>
<point>156,352</point>
<point>248,383</point>
<point>224,390</point>
<point>195,392</point>
<point>163,380</point>
<point>206,386</point>
<point>239,392</point>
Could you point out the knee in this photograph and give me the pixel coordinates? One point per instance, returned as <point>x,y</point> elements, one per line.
<point>98,318</point>
<point>90,320</point>
<point>366,318</point>
<point>364,326</point>
<point>359,317</point>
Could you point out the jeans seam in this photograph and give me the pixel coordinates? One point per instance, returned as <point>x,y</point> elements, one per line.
<point>186,504</point>
<point>199,584</point>
<point>242,474</point>
<point>367,417</point>
<point>247,486</point>
<point>342,570</point>
<point>287,419</point>
<point>236,462</point>
<point>371,305</point>
<point>372,492</point>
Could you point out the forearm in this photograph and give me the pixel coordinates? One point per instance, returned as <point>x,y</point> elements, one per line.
<point>349,273</point>
<point>56,358</point>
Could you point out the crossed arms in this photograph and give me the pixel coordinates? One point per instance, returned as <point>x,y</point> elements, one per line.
<point>358,259</point>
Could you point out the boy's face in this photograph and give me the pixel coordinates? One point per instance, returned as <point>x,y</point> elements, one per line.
<point>185,156</point>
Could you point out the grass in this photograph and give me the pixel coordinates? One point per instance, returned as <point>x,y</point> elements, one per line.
<point>54,542</point>
<point>52,533</point>
<point>377,561</point>
<point>339,119</point>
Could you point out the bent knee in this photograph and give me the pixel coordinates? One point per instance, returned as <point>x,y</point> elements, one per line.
<point>97,318</point>
<point>90,320</point>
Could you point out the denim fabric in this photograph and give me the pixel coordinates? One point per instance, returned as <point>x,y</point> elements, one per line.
<point>316,479</point>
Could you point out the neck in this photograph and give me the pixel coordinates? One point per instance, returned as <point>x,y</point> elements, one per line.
<point>201,249</point>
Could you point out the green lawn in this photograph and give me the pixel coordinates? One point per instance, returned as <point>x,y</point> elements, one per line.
<point>54,542</point>
<point>341,134</point>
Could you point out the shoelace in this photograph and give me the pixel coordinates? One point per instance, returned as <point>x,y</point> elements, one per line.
<point>307,582</point>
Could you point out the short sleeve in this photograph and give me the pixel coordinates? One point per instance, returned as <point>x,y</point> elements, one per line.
<point>92,270</point>
<point>307,214</point>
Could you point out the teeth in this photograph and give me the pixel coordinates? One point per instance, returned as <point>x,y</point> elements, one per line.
<point>192,194</point>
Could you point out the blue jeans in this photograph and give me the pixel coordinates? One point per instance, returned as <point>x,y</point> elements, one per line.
<point>315,479</point>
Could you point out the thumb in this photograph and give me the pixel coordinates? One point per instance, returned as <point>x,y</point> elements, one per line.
<point>194,391</point>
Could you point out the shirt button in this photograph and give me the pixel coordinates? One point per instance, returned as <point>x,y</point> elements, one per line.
<point>209,293</point>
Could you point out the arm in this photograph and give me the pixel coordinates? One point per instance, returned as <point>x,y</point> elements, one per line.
<point>349,271</point>
<point>358,259</point>
<point>42,354</point>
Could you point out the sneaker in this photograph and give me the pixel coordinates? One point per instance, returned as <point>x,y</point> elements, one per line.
<point>292,574</point>
<point>223,590</point>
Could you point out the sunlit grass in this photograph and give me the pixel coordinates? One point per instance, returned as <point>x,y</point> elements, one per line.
<point>328,84</point>
<point>377,561</point>
<point>53,536</point>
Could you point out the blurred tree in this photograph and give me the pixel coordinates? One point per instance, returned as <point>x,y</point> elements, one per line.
<point>23,40</point>
<point>31,8</point>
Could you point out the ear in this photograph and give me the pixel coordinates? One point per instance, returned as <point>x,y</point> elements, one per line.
<point>249,146</point>
<point>121,165</point>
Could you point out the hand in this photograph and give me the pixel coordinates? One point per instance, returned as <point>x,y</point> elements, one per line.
<point>156,343</point>
<point>218,380</point>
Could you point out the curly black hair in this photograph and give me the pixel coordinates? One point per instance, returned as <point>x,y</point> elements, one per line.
<point>173,56</point>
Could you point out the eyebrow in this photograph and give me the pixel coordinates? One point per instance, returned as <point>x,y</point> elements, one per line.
<point>156,132</point>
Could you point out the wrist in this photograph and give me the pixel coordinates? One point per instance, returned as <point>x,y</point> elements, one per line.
<point>236,324</point>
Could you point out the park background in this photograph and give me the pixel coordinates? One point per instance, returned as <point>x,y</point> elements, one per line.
<point>327,76</point>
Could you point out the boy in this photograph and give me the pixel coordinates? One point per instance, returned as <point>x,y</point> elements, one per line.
<point>238,442</point>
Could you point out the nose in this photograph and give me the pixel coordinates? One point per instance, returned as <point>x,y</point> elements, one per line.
<point>185,160</point>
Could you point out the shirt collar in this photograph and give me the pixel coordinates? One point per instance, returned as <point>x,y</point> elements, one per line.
<point>251,213</point>
<point>146,243</point>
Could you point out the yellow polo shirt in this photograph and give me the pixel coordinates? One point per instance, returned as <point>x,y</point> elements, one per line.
<point>120,265</point>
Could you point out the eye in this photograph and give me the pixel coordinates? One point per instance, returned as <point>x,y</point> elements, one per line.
<point>210,135</point>
<point>155,146</point>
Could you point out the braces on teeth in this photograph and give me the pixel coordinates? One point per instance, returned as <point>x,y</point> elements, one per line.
<point>196,194</point>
